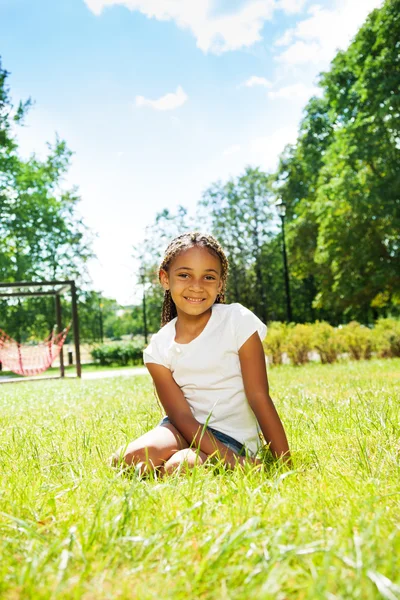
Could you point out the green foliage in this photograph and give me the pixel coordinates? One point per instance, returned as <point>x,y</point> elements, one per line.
<point>28,319</point>
<point>340,184</point>
<point>239,214</point>
<point>94,311</point>
<point>341,179</point>
<point>325,340</point>
<point>299,343</point>
<point>386,337</point>
<point>148,255</point>
<point>331,343</point>
<point>274,343</point>
<point>122,353</point>
<point>41,235</point>
<point>356,339</point>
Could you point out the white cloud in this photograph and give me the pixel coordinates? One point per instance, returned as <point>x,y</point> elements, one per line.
<point>265,150</point>
<point>213,32</point>
<point>168,102</point>
<point>317,38</point>
<point>291,7</point>
<point>286,39</point>
<point>255,80</point>
<point>231,150</point>
<point>300,53</point>
<point>295,91</point>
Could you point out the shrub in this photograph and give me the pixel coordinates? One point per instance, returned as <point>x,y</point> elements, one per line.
<point>386,338</point>
<point>299,343</point>
<point>325,340</point>
<point>121,353</point>
<point>274,343</point>
<point>356,339</point>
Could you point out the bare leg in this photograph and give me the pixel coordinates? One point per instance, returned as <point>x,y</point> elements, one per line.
<point>183,460</point>
<point>152,449</point>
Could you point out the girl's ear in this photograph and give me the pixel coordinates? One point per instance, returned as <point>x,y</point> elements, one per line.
<point>164,279</point>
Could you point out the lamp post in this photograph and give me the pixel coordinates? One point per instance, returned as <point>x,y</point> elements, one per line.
<point>281,206</point>
<point>143,280</point>
<point>101,318</point>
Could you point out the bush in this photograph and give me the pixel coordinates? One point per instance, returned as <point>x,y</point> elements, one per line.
<point>299,343</point>
<point>121,353</point>
<point>274,343</point>
<point>386,338</point>
<point>356,339</point>
<point>325,340</point>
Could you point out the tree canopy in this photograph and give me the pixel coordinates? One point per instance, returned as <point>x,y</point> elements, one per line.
<point>41,235</point>
<point>341,179</point>
<point>340,183</point>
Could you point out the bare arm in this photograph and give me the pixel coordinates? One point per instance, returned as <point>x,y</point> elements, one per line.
<point>254,373</point>
<point>180,415</point>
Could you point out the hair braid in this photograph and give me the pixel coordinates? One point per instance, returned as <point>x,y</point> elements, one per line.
<point>180,244</point>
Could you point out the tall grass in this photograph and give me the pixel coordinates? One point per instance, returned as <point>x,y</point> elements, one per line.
<point>73,528</point>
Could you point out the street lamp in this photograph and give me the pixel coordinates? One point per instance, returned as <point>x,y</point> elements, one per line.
<point>281,206</point>
<point>101,316</point>
<point>142,272</point>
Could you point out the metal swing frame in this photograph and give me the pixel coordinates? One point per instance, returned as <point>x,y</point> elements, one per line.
<point>20,289</point>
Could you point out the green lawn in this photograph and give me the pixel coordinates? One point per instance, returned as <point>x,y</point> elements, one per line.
<point>72,528</point>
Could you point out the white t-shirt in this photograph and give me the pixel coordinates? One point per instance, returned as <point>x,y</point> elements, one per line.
<point>207,370</point>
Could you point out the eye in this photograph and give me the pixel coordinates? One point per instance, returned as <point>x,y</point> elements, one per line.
<point>183,275</point>
<point>210,278</point>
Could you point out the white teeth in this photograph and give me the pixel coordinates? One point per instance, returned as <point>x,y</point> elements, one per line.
<point>195,299</point>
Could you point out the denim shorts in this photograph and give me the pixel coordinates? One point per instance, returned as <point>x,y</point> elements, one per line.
<point>227,440</point>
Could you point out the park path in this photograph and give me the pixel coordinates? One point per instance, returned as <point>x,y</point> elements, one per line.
<point>115,373</point>
<point>90,375</point>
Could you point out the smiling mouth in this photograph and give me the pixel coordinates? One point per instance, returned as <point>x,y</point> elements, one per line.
<point>194,300</point>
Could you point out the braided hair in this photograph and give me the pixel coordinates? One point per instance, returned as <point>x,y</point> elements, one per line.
<point>180,244</point>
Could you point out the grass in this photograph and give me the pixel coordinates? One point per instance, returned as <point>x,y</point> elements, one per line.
<point>72,528</point>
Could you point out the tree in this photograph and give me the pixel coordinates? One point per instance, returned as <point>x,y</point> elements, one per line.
<point>357,204</point>
<point>296,182</point>
<point>148,255</point>
<point>41,236</point>
<point>340,180</point>
<point>240,215</point>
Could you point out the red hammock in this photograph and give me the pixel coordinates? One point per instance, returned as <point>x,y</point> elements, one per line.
<point>30,360</point>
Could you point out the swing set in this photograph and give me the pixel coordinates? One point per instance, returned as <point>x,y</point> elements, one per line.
<point>26,359</point>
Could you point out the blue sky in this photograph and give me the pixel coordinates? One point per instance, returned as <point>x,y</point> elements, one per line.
<point>159,98</point>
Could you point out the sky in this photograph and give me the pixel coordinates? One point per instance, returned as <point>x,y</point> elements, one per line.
<point>158,99</point>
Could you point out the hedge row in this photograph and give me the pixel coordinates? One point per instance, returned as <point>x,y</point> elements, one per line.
<point>331,343</point>
<point>297,342</point>
<point>121,353</point>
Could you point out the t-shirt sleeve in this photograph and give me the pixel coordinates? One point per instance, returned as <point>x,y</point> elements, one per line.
<point>153,354</point>
<point>246,323</point>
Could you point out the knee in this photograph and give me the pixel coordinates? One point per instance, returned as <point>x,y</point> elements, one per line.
<point>172,464</point>
<point>183,460</point>
<point>132,456</point>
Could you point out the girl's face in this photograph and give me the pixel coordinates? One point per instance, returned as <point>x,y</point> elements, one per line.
<point>194,280</point>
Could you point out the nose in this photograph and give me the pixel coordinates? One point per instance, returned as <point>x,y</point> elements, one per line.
<point>196,285</point>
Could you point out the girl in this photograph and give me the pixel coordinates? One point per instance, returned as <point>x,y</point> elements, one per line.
<point>208,366</point>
